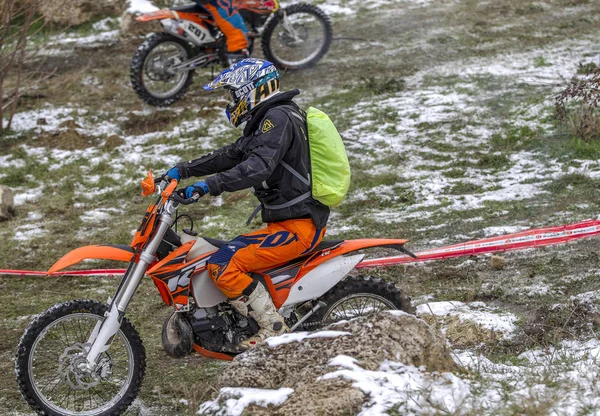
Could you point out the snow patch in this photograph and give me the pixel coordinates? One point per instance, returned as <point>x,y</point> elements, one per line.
<point>100,214</point>
<point>232,401</point>
<point>410,388</point>
<point>491,231</point>
<point>28,232</point>
<point>141,6</point>
<point>24,195</point>
<point>301,336</point>
<point>477,312</point>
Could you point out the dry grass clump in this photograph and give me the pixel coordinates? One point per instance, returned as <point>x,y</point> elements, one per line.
<point>577,105</point>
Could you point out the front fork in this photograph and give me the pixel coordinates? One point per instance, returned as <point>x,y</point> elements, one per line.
<point>287,26</point>
<point>105,330</point>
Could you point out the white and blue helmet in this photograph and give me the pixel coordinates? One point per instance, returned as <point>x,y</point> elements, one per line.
<point>249,82</point>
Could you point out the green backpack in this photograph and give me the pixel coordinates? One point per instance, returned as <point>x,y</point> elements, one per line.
<point>329,164</point>
<point>328,160</point>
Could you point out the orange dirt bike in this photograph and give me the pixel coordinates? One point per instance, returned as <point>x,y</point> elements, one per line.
<point>82,357</point>
<point>293,37</point>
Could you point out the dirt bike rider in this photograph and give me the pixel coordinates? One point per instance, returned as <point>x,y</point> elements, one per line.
<point>274,136</point>
<point>231,23</point>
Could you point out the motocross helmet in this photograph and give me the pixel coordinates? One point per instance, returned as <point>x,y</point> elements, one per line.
<point>250,82</point>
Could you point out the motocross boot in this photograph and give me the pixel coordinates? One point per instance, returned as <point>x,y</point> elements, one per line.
<point>259,305</point>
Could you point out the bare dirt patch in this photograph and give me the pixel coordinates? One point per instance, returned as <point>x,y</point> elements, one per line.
<point>69,139</point>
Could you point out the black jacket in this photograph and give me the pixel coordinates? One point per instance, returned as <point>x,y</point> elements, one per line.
<point>272,135</point>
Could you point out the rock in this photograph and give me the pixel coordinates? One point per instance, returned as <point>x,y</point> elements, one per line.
<point>42,121</point>
<point>497,262</point>
<point>131,28</point>
<point>76,12</point>
<point>395,336</point>
<point>7,206</point>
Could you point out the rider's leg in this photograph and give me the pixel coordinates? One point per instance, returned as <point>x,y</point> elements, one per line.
<point>232,25</point>
<point>261,249</point>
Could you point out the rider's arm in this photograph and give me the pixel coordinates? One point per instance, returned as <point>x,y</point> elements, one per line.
<point>267,150</point>
<point>217,161</point>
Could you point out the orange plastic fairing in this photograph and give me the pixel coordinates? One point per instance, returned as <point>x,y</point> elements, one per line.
<point>347,246</point>
<point>279,293</point>
<point>106,252</point>
<point>157,15</point>
<point>146,227</point>
<point>148,185</point>
<point>169,190</point>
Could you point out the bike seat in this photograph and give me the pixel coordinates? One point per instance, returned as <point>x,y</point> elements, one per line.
<point>215,242</point>
<point>326,244</point>
<point>189,8</point>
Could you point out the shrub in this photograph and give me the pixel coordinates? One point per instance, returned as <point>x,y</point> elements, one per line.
<point>577,105</point>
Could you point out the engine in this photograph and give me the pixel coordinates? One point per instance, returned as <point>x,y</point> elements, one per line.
<point>221,328</point>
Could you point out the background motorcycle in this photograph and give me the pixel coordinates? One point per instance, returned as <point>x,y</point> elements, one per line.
<point>293,37</point>
<point>83,357</point>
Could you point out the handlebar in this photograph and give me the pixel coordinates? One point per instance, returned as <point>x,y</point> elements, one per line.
<point>165,186</point>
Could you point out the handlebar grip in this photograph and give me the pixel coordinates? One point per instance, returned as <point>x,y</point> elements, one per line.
<point>183,201</point>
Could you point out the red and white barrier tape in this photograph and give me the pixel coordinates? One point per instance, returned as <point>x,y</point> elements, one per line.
<point>525,239</point>
<point>94,272</point>
<point>538,237</point>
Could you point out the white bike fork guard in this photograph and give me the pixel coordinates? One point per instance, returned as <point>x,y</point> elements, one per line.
<point>109,327</point>
<point>318,281</point>
<point>289,28</point>
<point>111,323</point>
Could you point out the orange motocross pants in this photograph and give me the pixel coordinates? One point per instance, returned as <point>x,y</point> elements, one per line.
<point>261,249</point>
<point>230,22</point>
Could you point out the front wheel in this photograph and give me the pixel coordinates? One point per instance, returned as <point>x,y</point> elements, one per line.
<point>50,363</point>
<point>153,76</point>
<point>297,37</point>
<point>358,296</point>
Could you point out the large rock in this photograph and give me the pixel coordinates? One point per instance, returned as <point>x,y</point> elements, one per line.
<point>393,336</point>
<point>7,209</point>
<point>76,12</point>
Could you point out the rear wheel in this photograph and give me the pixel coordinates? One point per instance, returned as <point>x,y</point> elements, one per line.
<point>358,296</point>
<point>51,365</point>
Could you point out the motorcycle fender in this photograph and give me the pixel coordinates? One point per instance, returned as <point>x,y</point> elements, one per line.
<point>321,279</point>
<point>157,15</point>
<point>120,252</point>
<point>206,293</point>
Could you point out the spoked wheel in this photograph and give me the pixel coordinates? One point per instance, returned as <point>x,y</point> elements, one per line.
<point>154,75</point>
<point>51,366</point>
<point>356,297</point>
<point>297,37</point>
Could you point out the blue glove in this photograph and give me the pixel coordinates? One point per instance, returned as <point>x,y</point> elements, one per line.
<point>173,173</point>
<point>200,188</point>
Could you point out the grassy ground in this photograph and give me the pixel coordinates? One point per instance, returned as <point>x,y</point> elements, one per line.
<point>446,108</point>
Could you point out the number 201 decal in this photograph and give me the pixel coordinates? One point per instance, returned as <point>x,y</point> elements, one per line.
<point>196,31</point>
